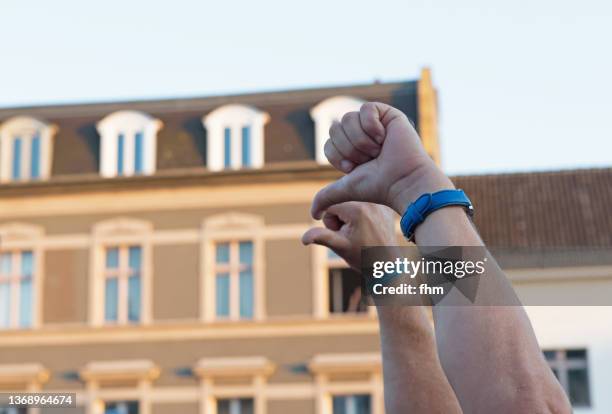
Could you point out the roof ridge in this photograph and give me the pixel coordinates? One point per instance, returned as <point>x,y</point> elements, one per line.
<point>275,95</point>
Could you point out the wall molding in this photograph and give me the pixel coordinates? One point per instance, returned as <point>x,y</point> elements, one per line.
<point>565,273</point>
<point>164,199</point>
<point>191,394</point>
<point>269,328</point>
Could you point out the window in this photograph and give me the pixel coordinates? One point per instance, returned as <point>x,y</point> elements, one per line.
<point>344,286</point>
<point>245,147</point>
<point>324,113</point>
<point>16,173</point>
<point>351,404</point>
<point>572,370</point>
<point>128,144</point>
<point>135,376</point>
<point>232,277</point>
<point>234,280</point>
<point>16,289</point>
<point>25,149</point>
<point>122,284</point>
<point>123,407</point>
<point>235,406</point>
<point>233,385</point>
<point>341,394</point>
<point>120,280</point>
<point>13,410</point>
<point>235,137</point>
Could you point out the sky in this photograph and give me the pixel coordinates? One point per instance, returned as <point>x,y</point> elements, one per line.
<point>523,85</point>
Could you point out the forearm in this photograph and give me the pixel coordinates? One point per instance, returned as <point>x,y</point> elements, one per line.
<point>413,378</point>
<point>490,354</point>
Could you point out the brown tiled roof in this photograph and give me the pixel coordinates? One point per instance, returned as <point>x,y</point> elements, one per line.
<point>289,136</point>
<point>543,210</point>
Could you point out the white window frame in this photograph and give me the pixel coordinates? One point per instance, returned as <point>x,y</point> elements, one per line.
<point>122,274</point>
<point>325,366</point>
<point>562,364</point>
<point>26,128</point>
<point>322,264</point>
<point>324,113</point>
<point>351,407</point>
<point>234,117</point>
<point>233,269</point>
<point>128,123</point>
<point>104,403</point>
<point>337,263</point>
<point>116,233</point>
<point>16,238</point>
<point>13,280</point>
<point>223,228</point>
<point>234,404</point>
<point>255,369</point>
<point>97,375</point>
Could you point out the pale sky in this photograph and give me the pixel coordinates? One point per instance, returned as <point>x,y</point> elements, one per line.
<point>523,85</point>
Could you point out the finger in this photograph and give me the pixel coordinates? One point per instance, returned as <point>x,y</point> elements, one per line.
<point>344,145</point>
<point>332,221</point>
<point>335,158</point>
<point>334,193</point>
<point>327,238</point>
<point>351,124</point>
<point>346,212</point>
<point>370,115</point>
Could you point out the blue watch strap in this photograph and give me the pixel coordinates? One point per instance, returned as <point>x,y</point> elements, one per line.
<point>428,203</point>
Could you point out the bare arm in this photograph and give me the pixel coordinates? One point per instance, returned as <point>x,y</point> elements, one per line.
<point>413,378</point>
<point>490,355</point>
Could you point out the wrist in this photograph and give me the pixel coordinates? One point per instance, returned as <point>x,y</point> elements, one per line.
<point>426,179</point>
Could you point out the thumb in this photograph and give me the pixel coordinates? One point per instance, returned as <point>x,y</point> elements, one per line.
<point>326,237</point>
<point>334,193</point>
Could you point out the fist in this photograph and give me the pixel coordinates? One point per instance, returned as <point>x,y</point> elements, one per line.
<point>351,226</point>
<point>382,156</point>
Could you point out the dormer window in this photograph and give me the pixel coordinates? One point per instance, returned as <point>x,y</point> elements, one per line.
<point>326,112</point>
<point>128,144</point>
<point>235,137</point>
<point>25,149</point>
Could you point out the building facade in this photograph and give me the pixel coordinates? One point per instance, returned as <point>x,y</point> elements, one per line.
<point>150,256</point>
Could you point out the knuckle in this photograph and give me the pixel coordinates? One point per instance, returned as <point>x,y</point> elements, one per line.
<point>361,213</point>
<point>334,129</point>
<point>348,117</point>
<point>367,107</point>
<point>369,122</point>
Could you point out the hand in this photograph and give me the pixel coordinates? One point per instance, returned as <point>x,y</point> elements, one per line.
<point>351,226</point>
<point>382,155</point>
